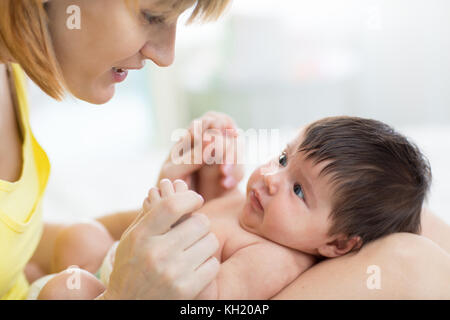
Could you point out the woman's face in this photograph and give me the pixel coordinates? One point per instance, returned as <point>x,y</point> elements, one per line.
<point>111,40</point>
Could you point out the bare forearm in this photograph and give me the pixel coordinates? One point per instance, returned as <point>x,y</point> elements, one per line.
<point>405,272</point>
<point>42,257</point>
<point>117,223</point>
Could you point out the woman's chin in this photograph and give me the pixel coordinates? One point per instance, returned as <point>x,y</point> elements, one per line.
<point>106,95</point>
<point>100,96</point>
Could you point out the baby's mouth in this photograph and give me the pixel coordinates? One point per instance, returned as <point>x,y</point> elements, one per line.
<point>255,201</point>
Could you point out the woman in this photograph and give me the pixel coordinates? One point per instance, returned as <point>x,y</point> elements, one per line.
<point>116,36</point>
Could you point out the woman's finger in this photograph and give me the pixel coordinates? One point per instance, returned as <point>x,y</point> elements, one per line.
<point>198,280</point>
<point>136,220</point>
<point>200,251</point>
<point>188,232</point>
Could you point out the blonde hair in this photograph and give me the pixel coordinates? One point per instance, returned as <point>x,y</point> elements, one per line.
<point>25,39</point>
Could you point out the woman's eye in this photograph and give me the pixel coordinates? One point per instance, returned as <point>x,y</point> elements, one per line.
<point>298,190</point>
<point>152,19</point>
<point>282,160</point>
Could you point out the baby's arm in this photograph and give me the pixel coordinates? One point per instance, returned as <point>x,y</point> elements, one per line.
<point>257,271</point>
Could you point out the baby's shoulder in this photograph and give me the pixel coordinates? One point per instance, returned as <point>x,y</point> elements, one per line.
<point>227,206</point>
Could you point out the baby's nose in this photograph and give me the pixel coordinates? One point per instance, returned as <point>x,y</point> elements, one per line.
<point>270,179</point>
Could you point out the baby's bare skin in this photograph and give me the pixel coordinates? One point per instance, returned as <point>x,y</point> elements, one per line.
<point>272,266</point>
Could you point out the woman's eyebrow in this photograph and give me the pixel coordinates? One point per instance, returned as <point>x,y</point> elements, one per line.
<point>156,7</point>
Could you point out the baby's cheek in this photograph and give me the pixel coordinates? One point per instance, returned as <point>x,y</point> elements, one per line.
<point>314,232</point>
<point>293,225</point>
<point>281,222</point>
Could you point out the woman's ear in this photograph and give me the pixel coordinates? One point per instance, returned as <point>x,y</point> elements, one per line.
<point>339,246</point>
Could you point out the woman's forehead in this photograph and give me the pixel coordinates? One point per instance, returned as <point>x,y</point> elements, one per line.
<point>168,6</point>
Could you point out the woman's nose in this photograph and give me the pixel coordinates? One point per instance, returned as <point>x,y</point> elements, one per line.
<point>160,48</point>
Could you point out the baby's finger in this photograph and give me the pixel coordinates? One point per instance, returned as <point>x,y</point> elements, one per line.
<point>226,121</point>
<point>166,213</point>
<point>183,170</point>
<point>226,169</point>
<point>232,174</point>
<point>180,185</point>
<point>211,122</point>
<point>166,187</point>
<point>228,182</point>
<point>231,124</point>
<point>154,194</point>
<point>231,132</point>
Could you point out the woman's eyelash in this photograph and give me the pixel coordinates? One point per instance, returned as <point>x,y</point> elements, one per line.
<point>151,19</point>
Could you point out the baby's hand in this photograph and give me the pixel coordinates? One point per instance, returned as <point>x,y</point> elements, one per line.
<point>221,172</point>
<point>167,194</point>
<point>209,179</point>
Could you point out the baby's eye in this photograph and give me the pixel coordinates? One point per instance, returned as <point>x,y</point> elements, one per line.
<point>282,160</point>
<point>298,190</point>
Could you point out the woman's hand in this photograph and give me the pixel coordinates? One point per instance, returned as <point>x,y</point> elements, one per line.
<point>208,179</point>
<point>155,261</point>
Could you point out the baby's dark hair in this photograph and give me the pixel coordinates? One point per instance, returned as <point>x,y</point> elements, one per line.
<point>379,178</point>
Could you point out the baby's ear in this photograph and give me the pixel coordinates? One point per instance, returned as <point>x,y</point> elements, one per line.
<point>339,246</point>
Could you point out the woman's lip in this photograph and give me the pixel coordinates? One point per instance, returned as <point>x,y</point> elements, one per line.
<point>256,203</point>
<point>119,75</point>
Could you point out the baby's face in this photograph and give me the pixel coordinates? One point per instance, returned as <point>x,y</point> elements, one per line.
<point>288,203</point>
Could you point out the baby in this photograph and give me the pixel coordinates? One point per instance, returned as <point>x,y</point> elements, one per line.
<point>340,184</point>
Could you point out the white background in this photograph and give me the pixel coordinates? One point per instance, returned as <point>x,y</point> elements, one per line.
<point>270,64</point>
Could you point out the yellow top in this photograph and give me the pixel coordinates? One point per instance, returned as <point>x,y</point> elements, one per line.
<point>20,205</point>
